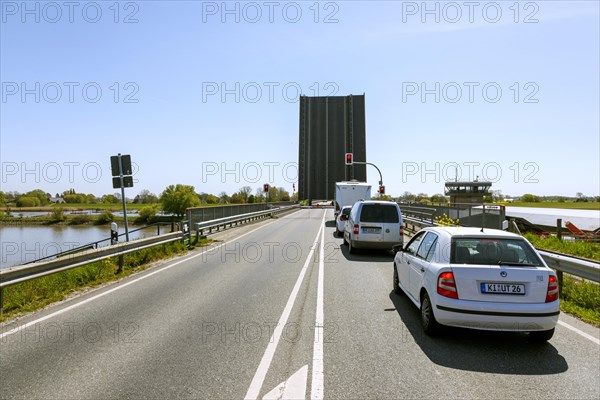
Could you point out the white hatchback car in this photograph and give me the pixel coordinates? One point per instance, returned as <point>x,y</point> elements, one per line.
<point>477,278</point>
<point>340,221</point>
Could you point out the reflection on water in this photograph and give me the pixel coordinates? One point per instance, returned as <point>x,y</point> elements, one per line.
<point>21,244</point>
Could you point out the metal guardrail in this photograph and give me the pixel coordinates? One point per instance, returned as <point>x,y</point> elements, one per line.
<point>236,219</point>
<point>586,269</point>
<point>22,273</point>
<point>563,263</point>
<point>96,244</point>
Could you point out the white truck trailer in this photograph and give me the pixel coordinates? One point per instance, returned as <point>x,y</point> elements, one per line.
<point>349,192</point>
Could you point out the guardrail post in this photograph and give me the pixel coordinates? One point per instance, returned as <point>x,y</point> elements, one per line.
<point>559,229</point>
<point>559,275</point>
<point>121,262</point>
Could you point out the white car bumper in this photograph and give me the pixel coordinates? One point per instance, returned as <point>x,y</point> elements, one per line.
<point>496,316</point>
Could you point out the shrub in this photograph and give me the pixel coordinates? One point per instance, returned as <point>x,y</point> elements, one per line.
<point>26,201</point>
<point>147,214</point>
<point>105,218</point>
<point>79,219</point>
<point>530,198</point>
<point>58,214</point>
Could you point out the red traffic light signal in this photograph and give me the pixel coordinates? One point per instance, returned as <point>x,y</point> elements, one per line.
<point>348,158</point>
<point>266,187</point>
<point>381,189</point>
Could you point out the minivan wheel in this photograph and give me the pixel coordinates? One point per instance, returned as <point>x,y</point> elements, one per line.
<point>541,336</point>
<point>396,284</point>
<point>428,321</point>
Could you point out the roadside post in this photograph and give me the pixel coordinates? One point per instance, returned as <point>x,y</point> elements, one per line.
<point>114,233</point>
<point>122,177</point>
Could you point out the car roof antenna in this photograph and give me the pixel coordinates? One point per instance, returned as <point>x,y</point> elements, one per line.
<point>481,230</point>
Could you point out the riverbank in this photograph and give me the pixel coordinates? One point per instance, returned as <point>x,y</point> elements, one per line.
<point>83,219</point>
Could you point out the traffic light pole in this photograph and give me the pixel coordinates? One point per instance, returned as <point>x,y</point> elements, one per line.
<point>368,163</point>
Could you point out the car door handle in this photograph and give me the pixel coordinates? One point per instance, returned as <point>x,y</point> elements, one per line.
<point>422,269</point>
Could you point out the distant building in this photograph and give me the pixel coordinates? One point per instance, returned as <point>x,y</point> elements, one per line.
<point>467,192</point>
<point>57,200</point>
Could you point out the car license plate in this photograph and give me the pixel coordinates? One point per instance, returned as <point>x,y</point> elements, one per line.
<point>371,230</point>
<point>502,288</point>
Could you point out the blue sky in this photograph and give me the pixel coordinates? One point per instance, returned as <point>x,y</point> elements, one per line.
<point>197,97</point>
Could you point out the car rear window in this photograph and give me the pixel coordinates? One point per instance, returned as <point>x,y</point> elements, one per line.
<point>489,251</point>
<point>379,213</point>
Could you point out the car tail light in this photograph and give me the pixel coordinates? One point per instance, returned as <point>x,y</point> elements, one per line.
<point>446,285</point>
<point>401,231</point>
<point>552,293</point>
<point>356,229</point>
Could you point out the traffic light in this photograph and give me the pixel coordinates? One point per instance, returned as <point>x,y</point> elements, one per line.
<point>266,187</point>
<point>348,158</point>
<point>381,189</point>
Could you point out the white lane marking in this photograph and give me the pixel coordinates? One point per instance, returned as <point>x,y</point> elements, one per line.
<point>292,388</point>
<point>318,379</point>
<point>265,362</point>
<point>580,332</point>
<point>64,310</point>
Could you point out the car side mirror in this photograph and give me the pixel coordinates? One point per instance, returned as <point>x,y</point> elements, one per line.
<point>397,248</point>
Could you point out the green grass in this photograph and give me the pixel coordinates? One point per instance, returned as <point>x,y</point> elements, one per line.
<point>590,205</point>
<point>582,299</point>
<point>573,247</point>
<point>35,294</point>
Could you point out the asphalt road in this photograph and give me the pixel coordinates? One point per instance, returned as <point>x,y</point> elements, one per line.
<point>278,309</point>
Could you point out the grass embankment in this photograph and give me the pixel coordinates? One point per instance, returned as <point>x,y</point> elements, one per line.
<point>38,293</point>
<point>573,247</point>
<point>579,297</point>
<point>579,205</point>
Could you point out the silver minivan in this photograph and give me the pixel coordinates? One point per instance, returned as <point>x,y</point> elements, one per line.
<point>374,224</point>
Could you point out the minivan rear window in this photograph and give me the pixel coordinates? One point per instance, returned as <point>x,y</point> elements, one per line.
<point>379,213</point>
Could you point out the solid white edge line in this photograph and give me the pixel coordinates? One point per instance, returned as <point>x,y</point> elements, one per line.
<point>125,284</point>
<point>318,379</point>
<point>267,358</point>
<point>579,332</point>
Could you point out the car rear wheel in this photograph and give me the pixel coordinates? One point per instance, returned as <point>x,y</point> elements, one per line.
<point>396,285</point>
<point>428,321</point>
<point>541,336</point>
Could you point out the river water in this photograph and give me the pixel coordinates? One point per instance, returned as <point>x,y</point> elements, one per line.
<point>20,244</point>
<point>583,219</point>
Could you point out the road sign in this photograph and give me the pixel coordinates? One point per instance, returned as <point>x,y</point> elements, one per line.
<point>127,182</point>
<point>125,165</point>
<point>120,166</point>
